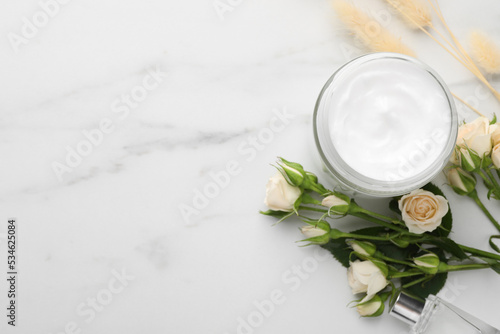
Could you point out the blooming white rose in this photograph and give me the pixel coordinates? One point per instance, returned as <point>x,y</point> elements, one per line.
<point>476,135</point>
<point>422,211</point>
<point>280,196</point>
<point>364,276</point>
<point>495,155</point>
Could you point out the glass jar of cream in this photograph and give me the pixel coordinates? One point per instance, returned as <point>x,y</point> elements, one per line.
<point>384,125</point>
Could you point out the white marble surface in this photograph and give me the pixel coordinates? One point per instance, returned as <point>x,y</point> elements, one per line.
<point>220,84</point>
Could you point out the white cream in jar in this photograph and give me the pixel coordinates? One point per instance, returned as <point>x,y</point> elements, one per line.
<point>385,124</point>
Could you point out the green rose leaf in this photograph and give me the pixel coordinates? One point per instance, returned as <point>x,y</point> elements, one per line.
<point>397,253</point>
<point>425,288</point>
<point>394,206</point>
<point>495,265</point>
<point>449,246</point>
<point>340,250</point>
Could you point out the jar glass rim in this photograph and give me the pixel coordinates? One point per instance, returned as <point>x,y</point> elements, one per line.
<point>349,177</point>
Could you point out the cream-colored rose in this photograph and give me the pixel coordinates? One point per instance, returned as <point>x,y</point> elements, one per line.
<point>495,134</point>
<point>280,196</point>
<point>364,276</point>
<point>476,135</point>
<point>422,211</point>
<point>495,155</point>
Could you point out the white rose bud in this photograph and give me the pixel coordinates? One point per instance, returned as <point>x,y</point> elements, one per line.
<point>469,160</point>
<point>281,196</point>
<point>336,204</point>
<point>495,155</point>
<point>311,231</point>
<point>428,263</point>
<point>317,234</point>
<point>462,182</point>
<point>363,248</point>
<point>364,276</point>
<point>422,211</point>
<point>371,308</point>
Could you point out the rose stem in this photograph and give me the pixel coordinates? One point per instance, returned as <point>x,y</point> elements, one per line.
<point>364,237</point>
<point>414,282</point>
<point>400,274</point>
<point>476,199</point>
<point>378,221</point>
<point>493,180</point>
<point>471,266</point>
<point>478,252</point>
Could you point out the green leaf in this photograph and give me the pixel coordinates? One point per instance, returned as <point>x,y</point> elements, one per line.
<point>494,120</point>
<point>447,221</point>
<point>449,246</point>
<point>394,206</point>
<point>372,231</point>
<point>397,253</point>
<point>308,199</point>
<point>424,289</point>
<point>340,250</point>
<point>495,265</point>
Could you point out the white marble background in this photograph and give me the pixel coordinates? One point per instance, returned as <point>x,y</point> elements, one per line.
<point>219,81</point>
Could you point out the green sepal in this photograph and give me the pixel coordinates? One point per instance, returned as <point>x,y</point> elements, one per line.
<point>473,164</point>
<point>494,120</point>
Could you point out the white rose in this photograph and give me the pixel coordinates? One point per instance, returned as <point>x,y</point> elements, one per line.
<point>364,276</point>
<point>476,136</point>
<point>280,196</point>
<point>495,155</point>
<point>422,211</point>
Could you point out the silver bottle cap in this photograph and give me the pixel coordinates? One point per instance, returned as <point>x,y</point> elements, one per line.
<point>407,309</point>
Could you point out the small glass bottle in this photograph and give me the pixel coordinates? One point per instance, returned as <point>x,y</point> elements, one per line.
<point>436,316</point>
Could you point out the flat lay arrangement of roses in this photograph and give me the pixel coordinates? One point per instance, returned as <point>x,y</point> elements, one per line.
<point>409,251</point>
<point>477,153</point>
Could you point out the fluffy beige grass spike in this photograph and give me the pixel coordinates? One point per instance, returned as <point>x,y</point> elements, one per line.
<point>368,30</point>
<point>417,13</point>
<point>484,52</point>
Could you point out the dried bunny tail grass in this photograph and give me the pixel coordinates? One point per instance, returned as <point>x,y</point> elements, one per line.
<point>417,13</point>
<point>484,52</point>
<point>368,30</point>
